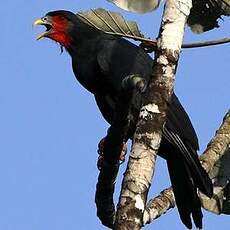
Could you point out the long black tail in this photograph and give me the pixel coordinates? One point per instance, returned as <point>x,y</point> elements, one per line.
<point>185,182</point>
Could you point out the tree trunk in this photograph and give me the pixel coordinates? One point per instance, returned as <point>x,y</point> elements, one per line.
<point>152,117</point>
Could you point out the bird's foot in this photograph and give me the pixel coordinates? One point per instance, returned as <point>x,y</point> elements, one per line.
<point>100,151</point>
<point>134,81</point>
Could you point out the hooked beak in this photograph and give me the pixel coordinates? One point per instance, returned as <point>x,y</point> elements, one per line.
<point>45,22</point>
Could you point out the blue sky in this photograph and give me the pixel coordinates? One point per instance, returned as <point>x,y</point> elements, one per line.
<point>50,125</point>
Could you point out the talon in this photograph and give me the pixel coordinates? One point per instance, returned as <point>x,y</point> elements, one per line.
<point>100,160</point>
<point>123,153</point>
<point>134,81</point>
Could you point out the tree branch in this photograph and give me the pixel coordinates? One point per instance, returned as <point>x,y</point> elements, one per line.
<point>206,43</point>
<point>152,116</point>
<point>150,45</point>
<point>218,145</point>
<point>215,150</point>
<point>220,175</point>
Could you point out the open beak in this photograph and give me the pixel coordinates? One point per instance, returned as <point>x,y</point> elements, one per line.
<point>45,23</point>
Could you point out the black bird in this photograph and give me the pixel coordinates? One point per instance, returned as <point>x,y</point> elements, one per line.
<point>100,63</point>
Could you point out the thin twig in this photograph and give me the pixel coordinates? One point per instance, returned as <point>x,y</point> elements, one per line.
<point>150,45</point>
<point>206,43</point>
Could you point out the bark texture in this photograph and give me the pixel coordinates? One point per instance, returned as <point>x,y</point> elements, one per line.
<point>218,145</point>
<point>216,160</point>
<point>152,117</point>
<point>216,149</point>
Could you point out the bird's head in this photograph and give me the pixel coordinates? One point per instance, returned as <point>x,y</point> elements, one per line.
<point>58,26</point>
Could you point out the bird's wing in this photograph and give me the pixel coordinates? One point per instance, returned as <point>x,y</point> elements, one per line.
<point>189,153</point>
<point>119,58</point>
<point>179,121</point>
<point>106,106</point>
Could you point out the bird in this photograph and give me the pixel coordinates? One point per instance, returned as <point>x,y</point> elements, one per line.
<point>101,63</point>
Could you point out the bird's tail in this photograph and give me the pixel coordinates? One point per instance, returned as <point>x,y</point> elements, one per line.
<point>185,182</point>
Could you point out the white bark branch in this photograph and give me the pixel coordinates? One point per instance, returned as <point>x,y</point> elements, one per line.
<point>216,148</point>
<point>146,142</point>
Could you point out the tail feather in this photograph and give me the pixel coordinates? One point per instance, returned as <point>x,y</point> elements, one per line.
<point>196,207</point>
<point>185,191</point>
<point>190,157</point>
<point>202,180</point>
<point>197,218</point>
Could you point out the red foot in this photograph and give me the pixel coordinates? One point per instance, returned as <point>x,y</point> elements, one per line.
<point>101,153</point>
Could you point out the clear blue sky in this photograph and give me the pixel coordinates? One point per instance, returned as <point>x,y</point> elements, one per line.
<point>50,125</point>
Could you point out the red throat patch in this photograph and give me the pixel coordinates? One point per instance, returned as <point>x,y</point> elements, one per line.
<point>60,31</point>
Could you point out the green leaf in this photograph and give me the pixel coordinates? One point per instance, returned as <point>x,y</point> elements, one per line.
<point>112,23</point>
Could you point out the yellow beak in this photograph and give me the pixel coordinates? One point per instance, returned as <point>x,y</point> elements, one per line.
<point>39,22</point>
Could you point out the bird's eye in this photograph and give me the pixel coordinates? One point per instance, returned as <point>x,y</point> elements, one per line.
<point>45,19</point>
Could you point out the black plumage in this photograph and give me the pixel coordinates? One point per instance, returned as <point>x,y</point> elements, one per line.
<point>100,63</point>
